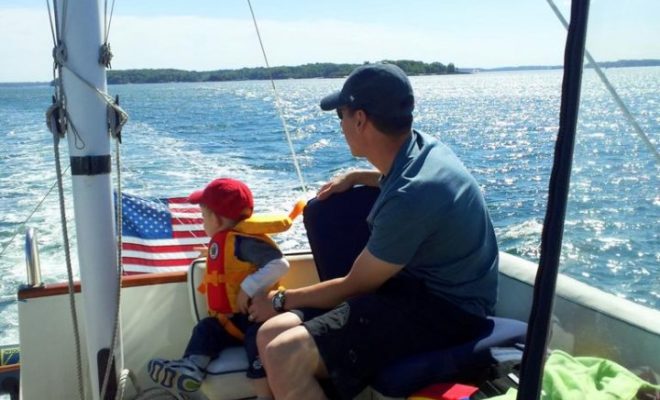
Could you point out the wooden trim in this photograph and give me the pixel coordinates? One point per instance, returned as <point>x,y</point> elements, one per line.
<point>56,289</point>
<point>9,368</point>
<point>53,289</point>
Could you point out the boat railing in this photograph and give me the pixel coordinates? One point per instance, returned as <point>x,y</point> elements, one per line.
<point>32,262</point>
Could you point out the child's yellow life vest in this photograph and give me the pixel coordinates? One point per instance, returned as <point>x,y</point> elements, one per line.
<point>225,272</point>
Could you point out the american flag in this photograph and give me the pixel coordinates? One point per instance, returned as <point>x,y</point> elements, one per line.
<point>160,235</point>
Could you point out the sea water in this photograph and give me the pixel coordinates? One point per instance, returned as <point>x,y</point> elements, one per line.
<point>502,125</point>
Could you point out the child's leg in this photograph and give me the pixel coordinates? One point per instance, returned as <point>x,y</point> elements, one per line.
<point>208,339</point>
<point>185,375</point>
<point>256,371</point>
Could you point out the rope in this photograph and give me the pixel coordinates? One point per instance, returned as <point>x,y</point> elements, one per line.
<point>277,103</point>
<point>115,329</point>
<point>613,92</point>
<point>69,269</point>
<point>124,377</point>
<point>120,116</point>
<point>116,118</point>
<point>105,54</point>
<point>58,126</point>
<point>149,394</point>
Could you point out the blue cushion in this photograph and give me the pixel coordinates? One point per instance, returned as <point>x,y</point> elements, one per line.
<point>415,372</point>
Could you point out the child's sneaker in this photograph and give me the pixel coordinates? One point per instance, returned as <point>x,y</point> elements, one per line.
<point>182,375</point>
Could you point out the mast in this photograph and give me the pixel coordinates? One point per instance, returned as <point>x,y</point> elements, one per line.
<point>80,31</point>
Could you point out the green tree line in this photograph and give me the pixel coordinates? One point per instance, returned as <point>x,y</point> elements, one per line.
<point>316,70</point>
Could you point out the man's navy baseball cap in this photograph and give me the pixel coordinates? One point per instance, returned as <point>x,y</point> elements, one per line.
<point>379,89</point>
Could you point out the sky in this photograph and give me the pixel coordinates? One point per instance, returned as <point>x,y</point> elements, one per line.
<point>206,35</point>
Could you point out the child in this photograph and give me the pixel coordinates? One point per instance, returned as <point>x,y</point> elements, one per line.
<point>226,202</point>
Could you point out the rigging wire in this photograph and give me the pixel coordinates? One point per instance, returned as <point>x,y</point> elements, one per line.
<point>296,164</point>
<point>29,217</point>
<point>58,32</point>
<point>50,20</point>
<point>107,22</point>
<point>610,88</point>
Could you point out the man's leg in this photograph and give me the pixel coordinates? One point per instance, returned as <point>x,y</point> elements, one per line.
<point>294,365</point>
<point>280,340</point>
<point>273,327</point>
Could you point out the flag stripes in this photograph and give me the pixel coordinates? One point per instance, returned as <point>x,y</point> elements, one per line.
<point>160,235</point>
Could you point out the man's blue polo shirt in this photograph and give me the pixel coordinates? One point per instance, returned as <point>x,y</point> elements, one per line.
<point>432,218</point>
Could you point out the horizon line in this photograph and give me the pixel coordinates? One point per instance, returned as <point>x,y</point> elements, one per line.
<point>653,61</point>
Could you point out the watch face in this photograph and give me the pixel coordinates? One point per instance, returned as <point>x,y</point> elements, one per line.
<point>278,301</point>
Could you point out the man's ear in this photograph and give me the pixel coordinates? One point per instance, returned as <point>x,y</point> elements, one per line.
<point>361,118</point>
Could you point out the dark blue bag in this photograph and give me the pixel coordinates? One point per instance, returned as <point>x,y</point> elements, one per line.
<point>337,229</point>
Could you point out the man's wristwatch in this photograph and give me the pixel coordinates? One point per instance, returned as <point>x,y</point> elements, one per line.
<point>278,300</point>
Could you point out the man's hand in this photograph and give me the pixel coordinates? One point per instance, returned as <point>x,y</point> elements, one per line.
<point>243,301</point>
<point>337,184</point>
<point>261,307</point>
<point>346,181</point>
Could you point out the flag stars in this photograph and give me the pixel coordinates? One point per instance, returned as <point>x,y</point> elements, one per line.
<point>150,223</point>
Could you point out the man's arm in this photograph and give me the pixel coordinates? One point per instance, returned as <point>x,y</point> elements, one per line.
<point>367,274</point>
<point>365,177</point>
<point>344,182</point>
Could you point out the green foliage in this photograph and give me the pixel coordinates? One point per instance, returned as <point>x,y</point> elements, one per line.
<point>316,70</point>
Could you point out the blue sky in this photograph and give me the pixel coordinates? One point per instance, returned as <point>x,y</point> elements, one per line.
<point>212,34</point>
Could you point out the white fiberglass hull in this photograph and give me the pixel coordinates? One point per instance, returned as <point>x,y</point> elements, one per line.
<point>157,321</point>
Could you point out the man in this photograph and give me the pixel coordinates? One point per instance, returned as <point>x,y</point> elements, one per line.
<point>427,276</point>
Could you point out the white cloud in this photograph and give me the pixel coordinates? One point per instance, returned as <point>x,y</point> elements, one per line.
<point>204,43</point>
<point>214,43</point>
<point>199,43</point>
<point>26,44</point>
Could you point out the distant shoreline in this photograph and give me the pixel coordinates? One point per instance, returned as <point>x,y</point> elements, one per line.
<point>605,64</point>
<point>306,71</point>
<point>318,70</point>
